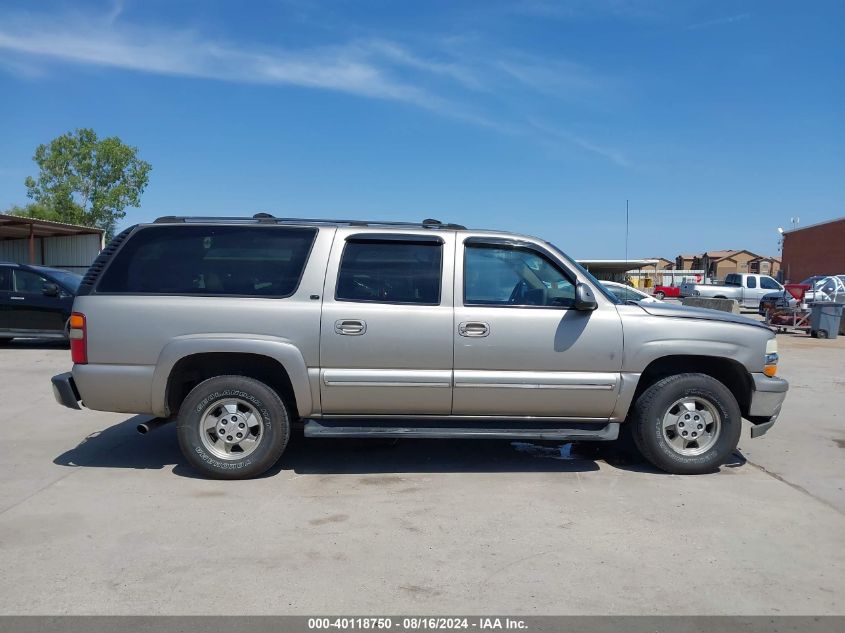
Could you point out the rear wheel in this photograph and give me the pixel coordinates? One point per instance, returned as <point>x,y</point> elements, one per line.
<point>233,427</point>
<point>687,424</point>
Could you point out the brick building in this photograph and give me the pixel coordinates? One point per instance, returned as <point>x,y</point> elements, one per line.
<point>818,249</point>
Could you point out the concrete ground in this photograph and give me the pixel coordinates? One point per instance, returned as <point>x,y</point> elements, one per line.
<point>96,519</point>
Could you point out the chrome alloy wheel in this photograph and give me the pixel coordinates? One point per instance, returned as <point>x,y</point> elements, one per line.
<point>691,426</point>
<point>231,428</point>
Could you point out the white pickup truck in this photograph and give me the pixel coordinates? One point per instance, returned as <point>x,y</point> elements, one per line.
<point>746,288</point>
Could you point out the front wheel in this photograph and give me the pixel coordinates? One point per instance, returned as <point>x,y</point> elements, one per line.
<point>687,424</point>
<point>233,427</point>
<point>660,295</point>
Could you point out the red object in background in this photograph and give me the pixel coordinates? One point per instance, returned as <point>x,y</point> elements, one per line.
<point>667,291</point>
<point>797,290</point>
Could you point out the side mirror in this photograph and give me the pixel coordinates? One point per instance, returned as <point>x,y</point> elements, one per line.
<point>585,300</point>
<point>50,290</point>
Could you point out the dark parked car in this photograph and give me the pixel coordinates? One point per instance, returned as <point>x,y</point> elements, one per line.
<point>35,301</point>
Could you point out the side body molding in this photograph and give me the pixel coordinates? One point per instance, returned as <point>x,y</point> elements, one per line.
<point>280,349</point>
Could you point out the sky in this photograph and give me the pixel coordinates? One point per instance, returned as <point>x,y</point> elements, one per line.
<point>717,120</point>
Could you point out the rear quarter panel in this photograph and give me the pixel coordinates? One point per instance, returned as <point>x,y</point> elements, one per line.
<point>127,334</point>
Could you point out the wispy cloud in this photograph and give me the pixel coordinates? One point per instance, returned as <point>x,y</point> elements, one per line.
<point>607,152</point>
<point>445,82</point>
<point>184,53</point>
<point>729,19</point>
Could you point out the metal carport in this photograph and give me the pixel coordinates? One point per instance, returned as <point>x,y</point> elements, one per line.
<point>47,243</point>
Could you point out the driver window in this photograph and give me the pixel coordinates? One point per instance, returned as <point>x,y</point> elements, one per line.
<point>513,276</point>
<point>27,282</point>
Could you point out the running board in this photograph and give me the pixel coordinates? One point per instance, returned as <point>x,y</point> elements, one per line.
<point>570,432</point>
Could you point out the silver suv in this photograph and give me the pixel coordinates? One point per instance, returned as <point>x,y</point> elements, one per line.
<point>240,328</point>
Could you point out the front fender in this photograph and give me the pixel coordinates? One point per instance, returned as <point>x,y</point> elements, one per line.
<point>277,348</point>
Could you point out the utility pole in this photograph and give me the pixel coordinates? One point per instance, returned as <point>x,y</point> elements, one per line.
<point>626,230</point>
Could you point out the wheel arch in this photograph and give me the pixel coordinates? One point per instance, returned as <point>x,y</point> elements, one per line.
<point>729,372</point>
<point>185,363</point>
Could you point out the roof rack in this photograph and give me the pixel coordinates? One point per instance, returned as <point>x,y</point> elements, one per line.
<point>263,218</point>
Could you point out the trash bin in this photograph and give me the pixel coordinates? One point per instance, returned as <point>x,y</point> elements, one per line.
<point>824,319</point>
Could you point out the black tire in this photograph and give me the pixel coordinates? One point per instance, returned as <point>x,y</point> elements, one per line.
<point>822,334</point>
<point>275,427</point>
<point>647,423</point>
<point>660,295</point>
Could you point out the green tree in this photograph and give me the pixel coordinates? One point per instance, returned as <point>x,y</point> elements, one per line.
<point>86,180</point>
<point>35,210</point>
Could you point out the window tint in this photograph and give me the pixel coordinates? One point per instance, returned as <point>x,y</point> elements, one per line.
<point>733,280</point>
<point>210,260</point>
<point>27,282</point>
<point>394,271</point>
<point>751,282</point>
<point>504,275</point>
<point>5,278</point>
<point>769,284</point>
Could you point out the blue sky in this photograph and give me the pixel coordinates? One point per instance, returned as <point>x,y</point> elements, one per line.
<point>718,120</point>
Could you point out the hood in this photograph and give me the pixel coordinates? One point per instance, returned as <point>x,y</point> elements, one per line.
<point>688,312</point>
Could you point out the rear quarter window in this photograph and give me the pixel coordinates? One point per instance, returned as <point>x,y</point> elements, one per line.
<point>210,260</point>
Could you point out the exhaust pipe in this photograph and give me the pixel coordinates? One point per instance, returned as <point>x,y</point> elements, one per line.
<point>151,425</point>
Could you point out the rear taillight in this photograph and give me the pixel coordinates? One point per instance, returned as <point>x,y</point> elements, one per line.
<point>78,343</point>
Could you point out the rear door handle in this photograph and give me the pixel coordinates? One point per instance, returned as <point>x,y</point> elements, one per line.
<point>473,328</point>
<point>350,327</point>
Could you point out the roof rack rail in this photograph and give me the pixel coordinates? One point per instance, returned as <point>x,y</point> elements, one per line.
<point>428,223</point>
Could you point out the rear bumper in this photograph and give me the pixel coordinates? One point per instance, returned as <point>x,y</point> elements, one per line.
<point>766,402</point>
<point>64,390</point>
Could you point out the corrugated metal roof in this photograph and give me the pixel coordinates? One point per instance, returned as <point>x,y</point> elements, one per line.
<point>16,227</point>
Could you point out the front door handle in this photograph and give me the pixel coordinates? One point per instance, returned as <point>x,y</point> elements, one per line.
<point>473,328</point>
<point>350,327</point>
<point>17,298</point>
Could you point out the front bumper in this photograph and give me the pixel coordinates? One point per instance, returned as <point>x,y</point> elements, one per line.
<point>64,390</point>
<point>766,402</point>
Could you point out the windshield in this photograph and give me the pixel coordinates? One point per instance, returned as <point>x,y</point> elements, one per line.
<point>595,282</point>
<point>70,281</point>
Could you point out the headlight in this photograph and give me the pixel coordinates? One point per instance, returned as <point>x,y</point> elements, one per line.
<point>770,364</point>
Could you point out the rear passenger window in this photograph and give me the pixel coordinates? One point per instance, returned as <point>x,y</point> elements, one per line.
<point>390,271</point>
<point>210,260</point>
<point>752,282</point>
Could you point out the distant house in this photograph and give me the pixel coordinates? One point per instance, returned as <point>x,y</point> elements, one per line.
<point>718,264</point>
<point>684,262</point>
<point>661,263</point>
